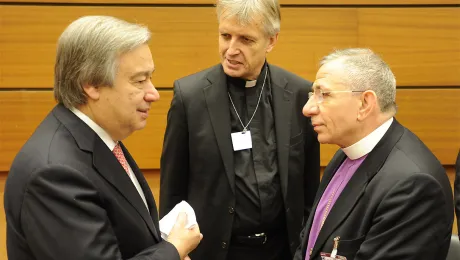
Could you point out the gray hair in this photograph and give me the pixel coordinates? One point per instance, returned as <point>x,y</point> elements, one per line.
<point>367,71</point>
<point>246,10</point>
<point>87,53</point>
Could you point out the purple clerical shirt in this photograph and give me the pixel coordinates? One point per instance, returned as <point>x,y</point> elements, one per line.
<point>332,192</point>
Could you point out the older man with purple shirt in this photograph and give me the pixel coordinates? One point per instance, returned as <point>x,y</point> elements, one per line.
<point>384,195</point>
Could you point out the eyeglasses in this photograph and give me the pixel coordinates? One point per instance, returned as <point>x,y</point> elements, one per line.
<point>319,94</point>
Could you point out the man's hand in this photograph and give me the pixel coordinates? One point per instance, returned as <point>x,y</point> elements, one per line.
<point>182,238</point>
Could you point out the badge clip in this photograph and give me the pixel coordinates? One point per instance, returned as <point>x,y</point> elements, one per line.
<point>333,255</point>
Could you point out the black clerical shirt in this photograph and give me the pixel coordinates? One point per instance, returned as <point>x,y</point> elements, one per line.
<point>259,202</point>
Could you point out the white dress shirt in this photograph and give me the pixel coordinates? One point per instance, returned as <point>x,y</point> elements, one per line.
<point>365,145</point>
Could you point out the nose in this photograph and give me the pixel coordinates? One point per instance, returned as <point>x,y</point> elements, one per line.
<point>233,48</point>
<point>151,94</point>
<point>311,108</point>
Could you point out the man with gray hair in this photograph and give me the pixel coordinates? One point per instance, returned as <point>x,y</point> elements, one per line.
<point>73,191</point>
<point>237,147</point>
<point>384,195</point>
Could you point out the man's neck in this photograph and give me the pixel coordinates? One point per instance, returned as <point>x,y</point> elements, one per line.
<point>256,75</point>
<point>368,126</point>
<point>86,109</point>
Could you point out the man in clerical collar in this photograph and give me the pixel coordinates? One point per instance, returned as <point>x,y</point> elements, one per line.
<point>384,195</point>
<point>237,147</point>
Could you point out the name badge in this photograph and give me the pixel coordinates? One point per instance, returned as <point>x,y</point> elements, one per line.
<point>241,140</point>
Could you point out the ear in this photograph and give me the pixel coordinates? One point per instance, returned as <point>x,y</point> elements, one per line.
<point>368,104</point>
<point>91,91</point>
<point>272,41</point>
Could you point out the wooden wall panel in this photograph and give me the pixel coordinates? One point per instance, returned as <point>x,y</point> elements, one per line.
<point>422,45</point>
<point>20,114</point>
<point>434,115</point>
<point>29,35</point>
<point>309,34</point>
<point>282,2</point>
<point>185,40</point>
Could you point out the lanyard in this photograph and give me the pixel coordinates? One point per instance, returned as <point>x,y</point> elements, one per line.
<point>245,128</point>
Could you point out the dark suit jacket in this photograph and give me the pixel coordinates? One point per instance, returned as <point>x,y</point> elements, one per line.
<point>197,160</point>
<point>67,197</point>
<point>457,191</point>
<point>397,205</point>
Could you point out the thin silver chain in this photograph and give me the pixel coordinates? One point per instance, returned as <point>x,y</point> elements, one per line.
<point>245,128</point>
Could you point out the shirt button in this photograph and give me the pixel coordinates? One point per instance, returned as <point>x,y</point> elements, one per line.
<point>231,210</point>
<point>224,245</point>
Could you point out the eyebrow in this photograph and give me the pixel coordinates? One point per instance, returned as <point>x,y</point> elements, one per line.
<point>145,73</point>
<point>251,37</point>
<point>316,86</point>
<point>321,87</point>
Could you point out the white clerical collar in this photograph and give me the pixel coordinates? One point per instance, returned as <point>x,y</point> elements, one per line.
<point>251,83</point>
<point>96,128</point>
<point>365,145</point>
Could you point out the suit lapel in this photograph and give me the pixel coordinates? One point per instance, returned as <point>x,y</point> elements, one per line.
<point>147,193</point>
<point>344,204</point>
<point>108,166</point>
<point>329,172</point>
<point>282,107</point>
<point>355,188</point>
<point>218,108</point>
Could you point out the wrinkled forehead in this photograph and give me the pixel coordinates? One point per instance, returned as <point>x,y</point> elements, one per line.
<point>324,82</point>
<point>331,76</point>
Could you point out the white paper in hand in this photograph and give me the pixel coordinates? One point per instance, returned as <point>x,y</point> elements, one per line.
<point>168,221</point>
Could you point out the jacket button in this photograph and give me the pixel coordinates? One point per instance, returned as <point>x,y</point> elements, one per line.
<point>224,245</point>
<point>231,210</point>
<point>287,210</point>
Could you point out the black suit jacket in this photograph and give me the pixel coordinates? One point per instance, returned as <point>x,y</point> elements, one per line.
<point>397,205</point>
<point>67,197</point>
<point>457,191</point>
<point>197,160</point>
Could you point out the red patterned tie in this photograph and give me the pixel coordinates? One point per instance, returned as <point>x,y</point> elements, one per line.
<point>120,157</point>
